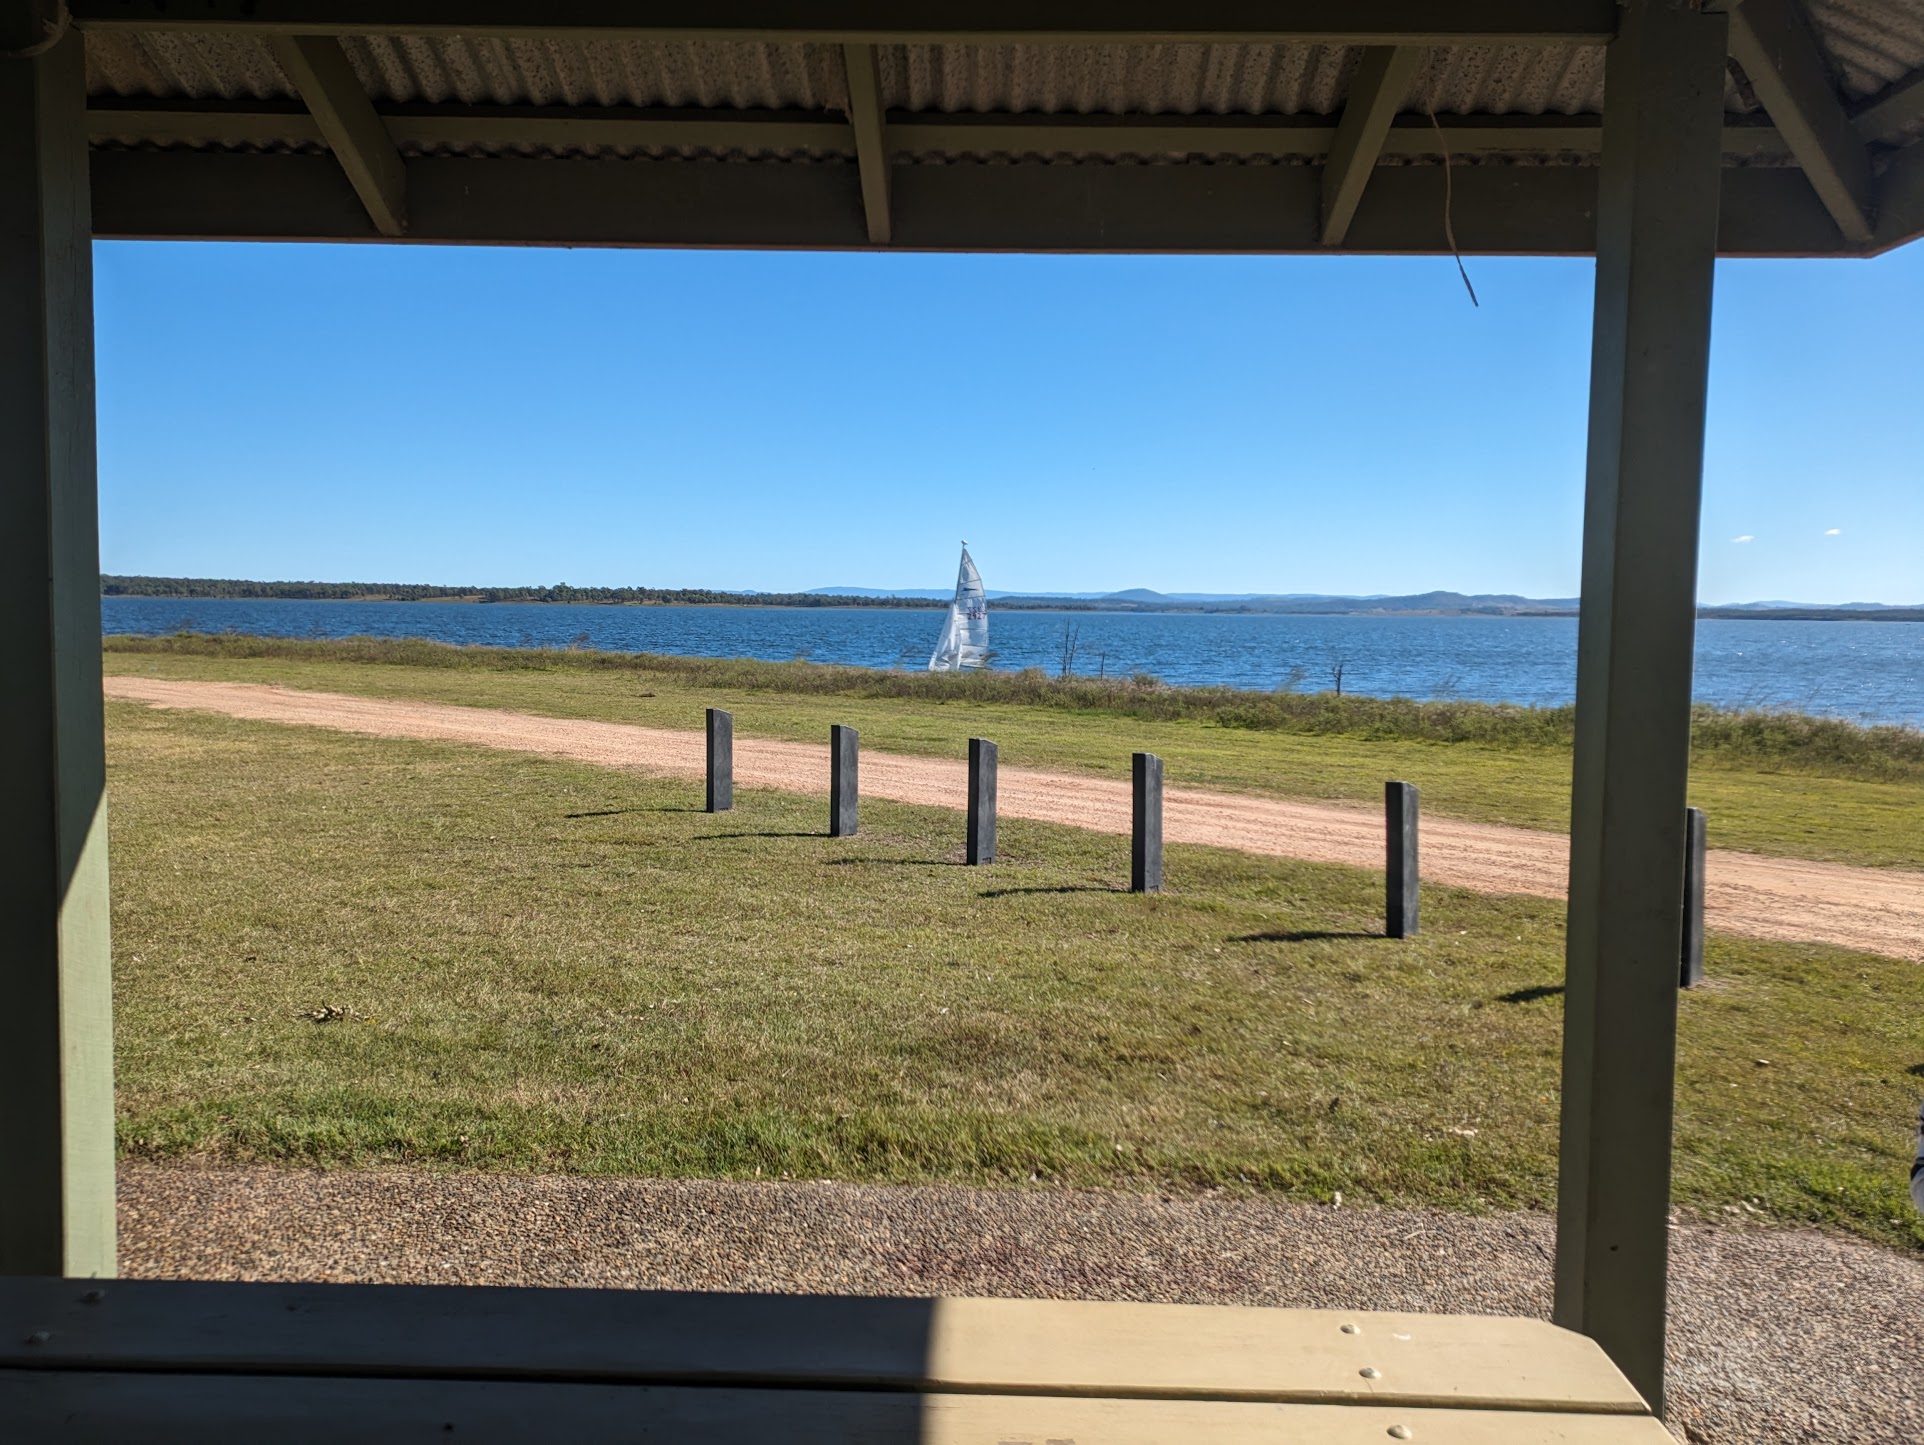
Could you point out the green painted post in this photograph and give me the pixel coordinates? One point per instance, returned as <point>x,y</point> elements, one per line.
<point>1690,968</point>
<point>1403,874</point>
<point>56,1029</point>
<point>1656,247</point>
<point>981,820</point>
<point>721,761</point>
<point>844,780</point>
<point>1145,832</point>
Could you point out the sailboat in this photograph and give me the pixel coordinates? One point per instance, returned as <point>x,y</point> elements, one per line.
<point>965,635</point>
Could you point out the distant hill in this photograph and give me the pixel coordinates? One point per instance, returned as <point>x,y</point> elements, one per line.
<point>1817,606</point>
<point>1416,604</point>
<point>1148,600</point>
<point>1143,599</point>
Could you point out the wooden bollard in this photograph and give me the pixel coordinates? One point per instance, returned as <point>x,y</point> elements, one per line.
<point>1399,808</point>
<point>721,761</point>
<point>844,753</point>
<point>1145,835</point>
<point>981,845</point>
<point>1696,851</point>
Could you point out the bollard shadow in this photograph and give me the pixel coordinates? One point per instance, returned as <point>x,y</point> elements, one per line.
<point>622,812</point>
<point>772,833</point>
<point>898,862</point>
<point>1916,1071</point>
<point>1059,888</point>
<point>1530,995</point>
<point>1298,935</point>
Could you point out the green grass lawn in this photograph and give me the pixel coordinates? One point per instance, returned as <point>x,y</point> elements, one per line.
<point>347,951</point>
<point>1783,810</point>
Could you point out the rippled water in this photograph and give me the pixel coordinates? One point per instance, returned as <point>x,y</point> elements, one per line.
<point>1867,671</point>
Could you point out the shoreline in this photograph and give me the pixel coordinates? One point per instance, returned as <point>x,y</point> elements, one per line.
<point>193,589</point>
<point>1015,604</point>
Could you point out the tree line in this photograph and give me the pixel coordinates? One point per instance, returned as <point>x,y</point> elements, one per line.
<point>238,589</point>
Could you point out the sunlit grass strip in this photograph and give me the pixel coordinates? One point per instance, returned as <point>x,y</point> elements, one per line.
<point>348,952</point>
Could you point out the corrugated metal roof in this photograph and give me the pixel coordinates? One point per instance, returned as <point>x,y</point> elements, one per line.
<point>1871,44</point>
<point>497,71</point>
<point>942,79</point>
<point>183,65</point>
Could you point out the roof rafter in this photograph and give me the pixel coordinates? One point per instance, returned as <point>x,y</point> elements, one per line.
<point>866,119</point>
<point>1793,84</point>
<point>1891,113</point>
<point>1376,93</point>
<point>349,124</point>
<point>1900,214</point>
<point>1359,22</point>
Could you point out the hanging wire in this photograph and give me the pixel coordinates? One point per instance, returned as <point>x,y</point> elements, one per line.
<point>1449,231</point>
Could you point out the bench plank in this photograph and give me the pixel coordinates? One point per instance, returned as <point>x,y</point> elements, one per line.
<point>82,1407</point>
<point>998,1346</point>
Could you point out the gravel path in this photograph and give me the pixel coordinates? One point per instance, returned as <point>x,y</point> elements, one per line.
<point>1777,1335</point>
<point>1877,909</point>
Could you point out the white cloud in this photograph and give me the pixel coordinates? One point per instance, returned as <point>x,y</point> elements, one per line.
<point>1745,538</point>
<point>1834,532</point>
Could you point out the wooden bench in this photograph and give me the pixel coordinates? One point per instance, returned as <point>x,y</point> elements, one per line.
<point>188,1361</point>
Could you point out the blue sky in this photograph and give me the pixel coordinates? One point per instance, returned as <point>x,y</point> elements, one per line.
<point>776,421</point>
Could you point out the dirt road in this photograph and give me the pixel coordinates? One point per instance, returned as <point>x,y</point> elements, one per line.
<point>1877,909</point>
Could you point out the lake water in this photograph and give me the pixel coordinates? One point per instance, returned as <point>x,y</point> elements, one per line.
<point>1865,671</point>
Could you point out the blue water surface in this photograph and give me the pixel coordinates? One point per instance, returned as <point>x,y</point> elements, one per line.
<point>1864,671</point>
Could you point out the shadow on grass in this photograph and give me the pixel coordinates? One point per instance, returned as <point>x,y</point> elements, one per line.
<point>1531,995</point>
<point>622,812</point>
<point>898,862</point>
<point>775,833</point>
<point>1298,935</point>
<point>1060,888</point>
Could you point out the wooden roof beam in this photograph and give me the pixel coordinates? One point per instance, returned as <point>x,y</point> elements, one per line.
<point>318,68</point>
<point>1891,113</point>
<point>1376,93</point>
<point>1769,39</point>
<point>1507,210</point>
<point>865,117</point>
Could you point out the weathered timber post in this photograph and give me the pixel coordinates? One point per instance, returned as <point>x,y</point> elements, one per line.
<point>1696,853</point>
<point>1658,189</point>
<point>1145,838</point>
<point>56,1030</point>
<point>844,745</point>
<point>721,760</point>
<point>981,848</point>
<point>1399,808</point>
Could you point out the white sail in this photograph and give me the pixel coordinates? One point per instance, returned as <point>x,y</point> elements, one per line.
<point>965,633</point>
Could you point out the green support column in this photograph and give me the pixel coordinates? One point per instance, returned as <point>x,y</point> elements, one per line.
<point>56,1028</point>
<point>1656,246</point>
